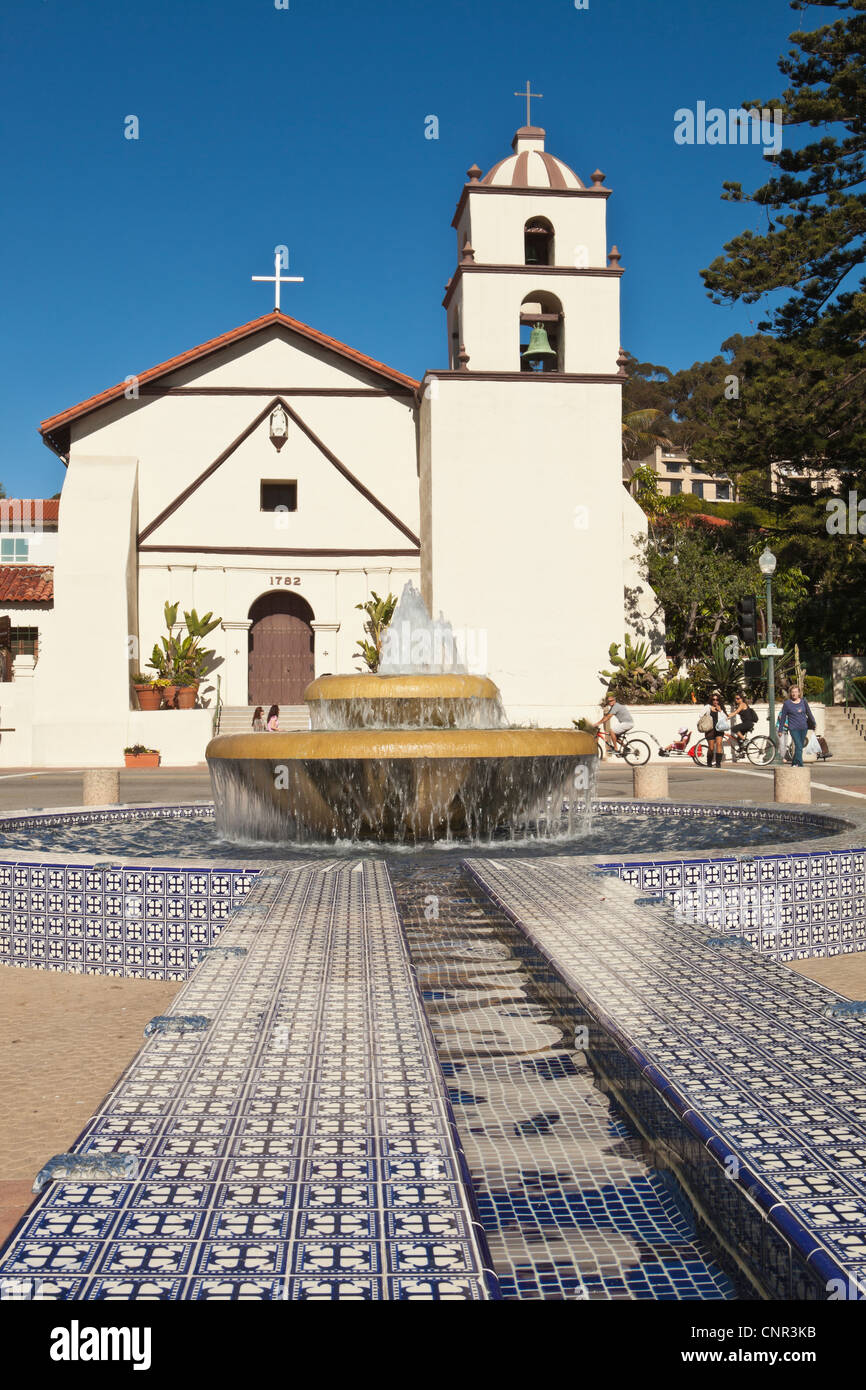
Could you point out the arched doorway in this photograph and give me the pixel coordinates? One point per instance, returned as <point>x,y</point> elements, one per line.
<point>281,661</point>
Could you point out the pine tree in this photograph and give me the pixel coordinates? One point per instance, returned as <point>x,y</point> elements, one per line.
<point>816,201</point>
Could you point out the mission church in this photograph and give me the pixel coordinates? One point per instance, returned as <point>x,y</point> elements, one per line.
<point>275,477</point>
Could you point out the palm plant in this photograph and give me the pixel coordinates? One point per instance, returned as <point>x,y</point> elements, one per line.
<point>379,612</point>
<point>642,430</point>
<point>181,660</point>
<point>718,672</point>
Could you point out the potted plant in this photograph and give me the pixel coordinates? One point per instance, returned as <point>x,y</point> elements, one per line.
<point>186,695</point>
<point>139,756</point>
<point>169,693</point>
<point>181,661</point>
<point>147,690</point>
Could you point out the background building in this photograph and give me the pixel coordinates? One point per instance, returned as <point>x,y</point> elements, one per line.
<point>678,473</point>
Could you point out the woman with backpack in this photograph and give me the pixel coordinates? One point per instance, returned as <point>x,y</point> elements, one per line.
<point>714,724</point>
<point>796,716</point>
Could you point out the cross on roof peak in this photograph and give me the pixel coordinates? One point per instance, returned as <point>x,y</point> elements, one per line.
<point>281,259</point>
<point>528,95</point>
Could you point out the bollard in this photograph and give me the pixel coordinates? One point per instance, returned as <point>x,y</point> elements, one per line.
<point>650,782</point>
<point>793,785</point>
<point>101,786</point>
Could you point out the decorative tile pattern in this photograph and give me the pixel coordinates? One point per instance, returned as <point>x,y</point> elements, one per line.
<point>302,1147</point>
<point>145,920</point>
<point>787,906</point>
<point>736,1047</point>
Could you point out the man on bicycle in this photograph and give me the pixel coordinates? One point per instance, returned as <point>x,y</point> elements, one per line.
<point>618,721</point>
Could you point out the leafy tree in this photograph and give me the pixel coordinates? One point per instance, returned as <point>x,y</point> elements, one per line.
<point>788,404</point>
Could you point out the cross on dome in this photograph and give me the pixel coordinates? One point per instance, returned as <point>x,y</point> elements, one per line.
<point>528,95</point>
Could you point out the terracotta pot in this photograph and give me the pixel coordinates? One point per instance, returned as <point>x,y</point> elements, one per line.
<point>142,759</point>
<point>169,695</point>
<point>186,696</point>
<point>149,696</point>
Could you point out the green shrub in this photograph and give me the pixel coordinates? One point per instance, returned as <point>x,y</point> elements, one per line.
<point>635,678</point>
<point>813,687</point>
<point>677,691</point>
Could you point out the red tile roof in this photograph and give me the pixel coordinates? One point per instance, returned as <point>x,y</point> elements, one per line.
<point>26,584</point>
<point>55,425</point>
<point>25,512</point>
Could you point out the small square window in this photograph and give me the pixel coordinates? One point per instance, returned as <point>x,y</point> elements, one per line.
<point>676,487</point>
<point>723,492</point>
<point>279,497</point>
<point>14,549</point>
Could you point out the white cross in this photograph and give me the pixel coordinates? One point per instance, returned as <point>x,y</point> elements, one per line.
<point>277,279</point>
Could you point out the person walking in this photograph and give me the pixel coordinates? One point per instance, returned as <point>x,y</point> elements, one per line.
<point>258,720</point>
<point>714,734</point>
<point>274,719</point>
<point>797,717</point>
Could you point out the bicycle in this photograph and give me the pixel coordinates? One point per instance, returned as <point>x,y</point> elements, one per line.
<point>759,750</point>
<point>633,748</point>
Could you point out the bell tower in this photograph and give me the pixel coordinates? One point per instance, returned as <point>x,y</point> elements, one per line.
<point>527,531</point>
<point>532,254</point>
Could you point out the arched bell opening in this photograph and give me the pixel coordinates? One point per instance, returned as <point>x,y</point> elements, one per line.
<point>538,242</point>
<point>542,333</point>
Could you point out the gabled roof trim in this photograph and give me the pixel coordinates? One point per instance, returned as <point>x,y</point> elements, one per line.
<point>57,423</point>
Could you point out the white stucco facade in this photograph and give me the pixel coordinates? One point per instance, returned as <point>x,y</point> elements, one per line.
<point>498,490</point>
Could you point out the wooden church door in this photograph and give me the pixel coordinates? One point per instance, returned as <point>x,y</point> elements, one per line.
<point>282,661</point>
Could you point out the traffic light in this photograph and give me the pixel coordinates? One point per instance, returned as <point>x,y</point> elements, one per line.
<point>747,621</point>
<point>753,670</point>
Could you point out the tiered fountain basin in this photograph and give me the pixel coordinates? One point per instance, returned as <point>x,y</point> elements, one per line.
<point>361,774</point>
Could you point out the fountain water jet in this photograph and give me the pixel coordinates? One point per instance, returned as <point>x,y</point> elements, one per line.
<point>404,757</point>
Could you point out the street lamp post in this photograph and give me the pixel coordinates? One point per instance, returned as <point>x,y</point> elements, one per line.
<point>767,566</point>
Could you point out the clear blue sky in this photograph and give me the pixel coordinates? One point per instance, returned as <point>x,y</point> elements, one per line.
<point>305,126</point>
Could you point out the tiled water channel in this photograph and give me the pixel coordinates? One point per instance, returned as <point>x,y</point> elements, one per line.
<point>283,1134</point>
<point>569,1206</point>
<point>569,1203</point>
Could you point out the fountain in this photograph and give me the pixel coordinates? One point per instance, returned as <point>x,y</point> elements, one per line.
<point>419,751</point>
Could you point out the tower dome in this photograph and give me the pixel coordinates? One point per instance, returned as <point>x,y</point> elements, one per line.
<point>530,166</point>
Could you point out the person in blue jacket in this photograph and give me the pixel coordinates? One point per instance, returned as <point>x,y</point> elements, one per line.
<point>797,716</point>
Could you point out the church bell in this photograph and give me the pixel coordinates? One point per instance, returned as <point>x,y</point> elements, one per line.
<point>539,352</point>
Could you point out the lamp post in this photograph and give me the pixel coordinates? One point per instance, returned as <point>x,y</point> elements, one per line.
<point>767,566</point>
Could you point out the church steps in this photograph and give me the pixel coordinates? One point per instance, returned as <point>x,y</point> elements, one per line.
<point>845,730</point>
<point>238,719</point>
